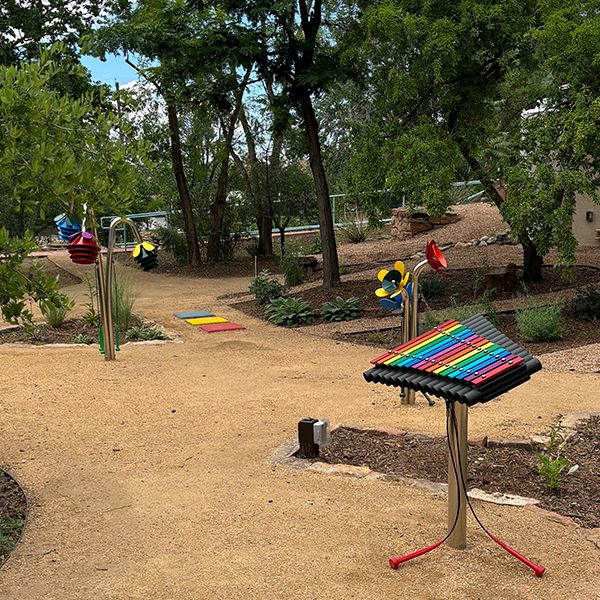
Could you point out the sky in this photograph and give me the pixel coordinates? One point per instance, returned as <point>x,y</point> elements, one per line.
<point>110,71</point>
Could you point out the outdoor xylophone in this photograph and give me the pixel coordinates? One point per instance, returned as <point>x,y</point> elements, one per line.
<point>469,363</point>
<point>463,363</point>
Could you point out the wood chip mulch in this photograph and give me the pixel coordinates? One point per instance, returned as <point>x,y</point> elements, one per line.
<point>495,469</point>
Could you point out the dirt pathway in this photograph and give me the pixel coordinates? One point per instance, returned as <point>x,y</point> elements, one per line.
<point>149,477</point>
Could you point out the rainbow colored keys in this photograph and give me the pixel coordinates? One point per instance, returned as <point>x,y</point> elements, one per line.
<point>454,351</point>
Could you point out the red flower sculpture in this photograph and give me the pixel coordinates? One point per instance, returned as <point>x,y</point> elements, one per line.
<point>435,257</point>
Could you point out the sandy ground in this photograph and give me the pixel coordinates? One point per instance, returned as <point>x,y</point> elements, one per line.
<point>149,477</point>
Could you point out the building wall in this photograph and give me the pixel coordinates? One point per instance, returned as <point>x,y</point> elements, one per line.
<point>586,232</point>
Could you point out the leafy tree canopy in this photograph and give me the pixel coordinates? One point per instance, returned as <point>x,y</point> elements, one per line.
<point>56,151</point>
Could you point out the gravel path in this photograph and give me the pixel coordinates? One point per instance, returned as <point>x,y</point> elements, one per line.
<point>149,477</point>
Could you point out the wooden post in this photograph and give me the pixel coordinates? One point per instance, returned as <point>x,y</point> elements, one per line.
<point>458,538</point>
<point>308,448</point>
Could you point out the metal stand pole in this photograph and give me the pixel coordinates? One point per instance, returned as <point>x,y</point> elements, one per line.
<point>458,538</point>
<point>109,334</point>
<point>407,396</point>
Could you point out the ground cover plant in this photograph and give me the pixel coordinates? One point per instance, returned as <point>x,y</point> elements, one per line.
<point>341,309</point>
<point>13,508</point>
<point>290,312</point>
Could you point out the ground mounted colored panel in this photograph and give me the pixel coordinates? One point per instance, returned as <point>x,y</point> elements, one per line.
<point>194,314</point>
<point>207,321</point>
<point>221,327</point>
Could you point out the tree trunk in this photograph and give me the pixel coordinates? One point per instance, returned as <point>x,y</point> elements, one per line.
<point>532,262</point>
<point>217,210</point>
<point>264,218</point>
<point>217,213</point>
<point>331,268</point>
<point>189,225</point>
<point>282,240</point>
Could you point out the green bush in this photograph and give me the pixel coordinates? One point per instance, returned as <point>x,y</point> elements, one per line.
<point>551,460</point>
<point>586,304</point>
<point>266,288</point>
<point>355,232</point>
<point>290,312</point>
<point>144,333</point>
<point>56,310</point>
<point>293,273</point>
<point>82,338</point>
<point>432,288</point>
<point>22,282</point>
<point>252,248</point>
<point>341,310</point>
<point>541,323</point>
<point>174,242</point>
<point>123,297</point>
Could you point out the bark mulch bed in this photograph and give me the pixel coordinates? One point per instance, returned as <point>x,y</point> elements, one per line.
<point>461,287</point>
<point>495,469</point>
<point>577,333</point>
<point>41,334</point>
<point>13,510</point>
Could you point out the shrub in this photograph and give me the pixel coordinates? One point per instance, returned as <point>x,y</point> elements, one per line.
<point>252,248</point>
<point>123,298</point>
<point>20,280</point>
<point>290,312</point>
<point>293,273</point>
<point>82,338</point>
<point>174,242</point>
<point>355,232</point>
<point>341,310</point>
<point>432,288</point>
<point>586,304</point>
<point>266,288</point>
<point>541,323</point>
<point>144,333</point>
<point>56,310</point>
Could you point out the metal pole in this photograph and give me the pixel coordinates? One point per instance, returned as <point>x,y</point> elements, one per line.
<point>407,396</point>
<point>412,319</point>
<point>109,334</point>
<point>458,538</point>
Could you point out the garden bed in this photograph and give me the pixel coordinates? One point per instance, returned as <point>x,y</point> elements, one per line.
<point>13,511</point>
<point>71,331</point>
<point>577,333</point>
<point>507,470</point>
<point>461,287</point>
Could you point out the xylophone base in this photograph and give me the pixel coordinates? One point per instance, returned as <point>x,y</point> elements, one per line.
<point>457,499</point>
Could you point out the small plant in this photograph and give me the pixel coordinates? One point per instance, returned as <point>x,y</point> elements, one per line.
<point>56,310</point>
<point>341,310</point>
<point>82,338</point>
<point>541,323</point>
<point>432,288</point>
<point>91,318</point>
<point>293,272</point>
<point>551,461</point>
<point>488,308</point>
<point>173,242</point>
<point>123,299</point>
<point>144,333</point>
<point>585,306</point>
<point>252,248</point>
<point>290,312</point>
<point>266,288</point>
<point>355,232</point>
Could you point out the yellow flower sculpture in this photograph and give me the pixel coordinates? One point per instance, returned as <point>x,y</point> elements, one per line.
<point>392,281</point>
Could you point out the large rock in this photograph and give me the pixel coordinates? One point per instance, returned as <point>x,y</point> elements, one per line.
<point>404,223</point>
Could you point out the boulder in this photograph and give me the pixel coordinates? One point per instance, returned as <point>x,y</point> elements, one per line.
<point>501,279</point>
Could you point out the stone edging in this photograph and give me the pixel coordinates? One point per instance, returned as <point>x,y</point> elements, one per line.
<point>285,456</point>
